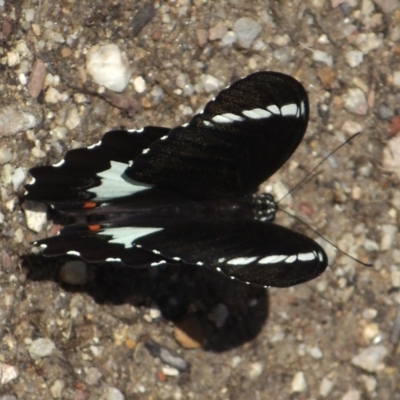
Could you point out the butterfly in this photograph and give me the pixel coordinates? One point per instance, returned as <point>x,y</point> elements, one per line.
<point>187,195</point>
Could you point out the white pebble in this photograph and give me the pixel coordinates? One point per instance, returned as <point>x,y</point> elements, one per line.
<point>53,96</point>
<point>388,233</point>
<point>322,56</point>
<point>354,58</point>
<point>112,393</point>
<point>18,177</point>
<point>139,84</point>
<point>29,14</point>
<point>7,374</point>
<point>5,155</point>
<point>13,121</point>
<point>13,58</point>
<point>210,83</point>
<point>73,118</point>
<point>326,387</point>
<point>255,370</point>
<point>40,348</point>
<point>370,359</point>
<point>108,67</point>
<point>299,383</point>
<point>396,78</point>
<point>35,215</point>
<point>246,30</point>
<point>367,42</point>
<point>355,102</point>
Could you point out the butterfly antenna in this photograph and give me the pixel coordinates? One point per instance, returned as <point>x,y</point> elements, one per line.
<point>326,240</point>
<point>311,173</point>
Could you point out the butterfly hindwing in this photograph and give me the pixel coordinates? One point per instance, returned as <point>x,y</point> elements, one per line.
<point>251,251</point>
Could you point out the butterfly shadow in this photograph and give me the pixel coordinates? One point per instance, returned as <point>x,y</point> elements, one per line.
<point>227,313</point>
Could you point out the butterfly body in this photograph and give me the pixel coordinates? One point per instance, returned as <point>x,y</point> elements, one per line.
<point>186,194</point>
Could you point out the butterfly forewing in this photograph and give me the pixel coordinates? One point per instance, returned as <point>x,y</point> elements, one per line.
<point>70,182</point>
<point>241,138</point>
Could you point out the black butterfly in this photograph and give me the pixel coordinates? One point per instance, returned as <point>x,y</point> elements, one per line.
<point>156,195</point>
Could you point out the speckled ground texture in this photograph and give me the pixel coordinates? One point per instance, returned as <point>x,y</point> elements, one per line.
<point>109,337</point>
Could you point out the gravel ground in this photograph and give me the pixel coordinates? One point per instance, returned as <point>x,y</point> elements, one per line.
<point>71,331</point>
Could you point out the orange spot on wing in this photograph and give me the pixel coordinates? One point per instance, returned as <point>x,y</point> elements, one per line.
<point>89,204</point>
<point>94,228</point>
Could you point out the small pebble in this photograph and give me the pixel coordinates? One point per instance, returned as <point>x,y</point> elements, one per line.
<point>326,387</point>
<point>367,42</point>
<point>17,178</point>
<point>299,383</point>
<point>108,67</point>
<point>396,78</point>
<point>315,352</point>
<point>391,156</point>
<point>354,58</point>
<point>229,38</point>
<point>93,375</point>
<point>13,121</point>
<point>356,102</point>
<point>5,155</point>
<point>74,272</point>
<point>53,96</point>
<point>57,388</point>
<point>388,234</point>
<point>113,393</point>
<point>210,84</point>
<point>370,358</point>
<point>352,394</point>
<point>40,348</point>
<point>255,370</point>
<point>189,333</point>
<point>73,118</point>
<point>321,56</point>
<point>246,30</point>
<point>35,215</point>
<point>13,58</point>
<point>167,356</point>
<point>369,382</point>
<point>384,112</point>
<point>218,31</point>
<point>7,373</point>
<point>139,84</point>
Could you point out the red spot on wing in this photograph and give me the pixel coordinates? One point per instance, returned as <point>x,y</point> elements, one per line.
<point>89,204</point>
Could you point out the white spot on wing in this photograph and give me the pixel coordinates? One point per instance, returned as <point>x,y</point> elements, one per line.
<point>110,259</point>
<point>274,109</point>
<point>155,264</point>
<point>207,123</point>
<point>272,259</point>
<point>242,260</point>
<point>95,145</point>
<point>164,137</point>
<point>303,108</point>
<point>73,253</point>
<point>257,113</point>
<point>291,259</point>
<point>56,165</point>
<point>307,256</point>
<point>114,183</point>
<point>227,118</point>
<point>289,110</point>
<point>136,130</point>
<point>127,235</point>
